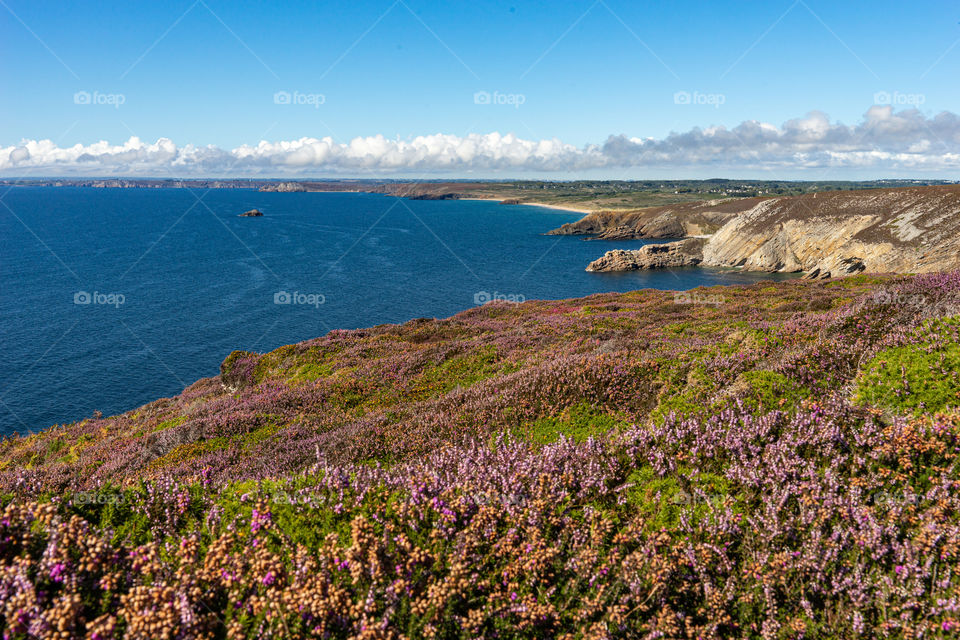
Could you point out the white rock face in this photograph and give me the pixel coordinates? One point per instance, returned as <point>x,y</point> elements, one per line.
<point>904,230</point>
<point>757,243</point>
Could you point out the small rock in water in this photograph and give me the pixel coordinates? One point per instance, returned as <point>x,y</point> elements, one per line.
<point>253,213</point>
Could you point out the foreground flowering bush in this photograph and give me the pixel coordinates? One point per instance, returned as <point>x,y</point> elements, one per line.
<point>619,466</point>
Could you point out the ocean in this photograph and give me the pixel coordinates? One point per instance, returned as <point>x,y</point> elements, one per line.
<point>111,298</point>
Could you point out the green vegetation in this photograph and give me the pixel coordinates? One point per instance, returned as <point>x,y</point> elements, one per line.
<point>768,390</point>
<point>460,371</point>
<point>578,423</point>
<point>919,377</point>
<point>618,466</point>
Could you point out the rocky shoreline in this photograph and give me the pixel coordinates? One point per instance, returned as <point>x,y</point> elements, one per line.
<point>902,230</point>
<point>683,253</point>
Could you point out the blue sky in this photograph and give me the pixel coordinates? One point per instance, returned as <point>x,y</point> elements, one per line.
<point>208,73</point>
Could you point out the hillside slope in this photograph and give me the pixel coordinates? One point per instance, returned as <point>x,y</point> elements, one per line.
<point>774,460</point>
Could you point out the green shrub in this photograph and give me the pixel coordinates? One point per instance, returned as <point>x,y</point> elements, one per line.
<point>769,390</point>
<point>460,371</point>
<point>310,372</point>
<point>917,377</point>
<point>579,423</point>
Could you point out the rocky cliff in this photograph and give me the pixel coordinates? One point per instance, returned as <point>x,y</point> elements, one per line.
<point>904,230</point>
<point>685,253</point>
<point>284,187</point>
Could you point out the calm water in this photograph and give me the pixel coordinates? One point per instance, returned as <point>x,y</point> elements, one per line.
<point>181,282</point>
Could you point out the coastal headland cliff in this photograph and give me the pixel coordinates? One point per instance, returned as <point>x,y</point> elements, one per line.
<point>901,230</point>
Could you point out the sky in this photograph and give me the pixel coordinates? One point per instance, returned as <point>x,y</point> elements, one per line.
<point>480,89</point>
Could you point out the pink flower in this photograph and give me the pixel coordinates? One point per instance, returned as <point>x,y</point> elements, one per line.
<point>57,571</point>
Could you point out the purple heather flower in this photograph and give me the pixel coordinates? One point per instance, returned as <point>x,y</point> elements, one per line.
<point>57,571</point>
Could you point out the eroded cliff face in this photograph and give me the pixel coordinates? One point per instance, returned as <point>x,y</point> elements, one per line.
<point>911,230</point>
<point>767,239</point>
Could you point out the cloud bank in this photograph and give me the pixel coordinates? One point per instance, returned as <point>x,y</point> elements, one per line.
<point>883,142</point>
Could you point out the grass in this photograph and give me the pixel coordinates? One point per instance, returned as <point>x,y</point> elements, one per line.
<point>915,378</point>
<point>769,390</point>
<point>310,372</point>
<point>660,500</point>
<point>579,423</point>
<point>459,371</point>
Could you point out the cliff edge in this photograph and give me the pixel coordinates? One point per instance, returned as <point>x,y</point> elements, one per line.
<point>903,230</point>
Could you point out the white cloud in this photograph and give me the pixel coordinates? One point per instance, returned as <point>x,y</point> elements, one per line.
<point>884,140</point>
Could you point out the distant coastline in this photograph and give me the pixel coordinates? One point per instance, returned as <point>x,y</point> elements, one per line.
<point>754,225</point>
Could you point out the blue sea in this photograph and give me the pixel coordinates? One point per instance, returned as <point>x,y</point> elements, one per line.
<point>111,298</point>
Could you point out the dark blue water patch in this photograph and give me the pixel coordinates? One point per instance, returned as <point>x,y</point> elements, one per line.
<point>111,298</point>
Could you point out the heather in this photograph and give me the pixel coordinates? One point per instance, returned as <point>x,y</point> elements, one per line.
<point>779,463</point>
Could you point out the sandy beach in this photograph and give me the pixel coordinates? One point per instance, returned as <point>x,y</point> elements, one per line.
<point>535,204</point>
<point>558,207</point>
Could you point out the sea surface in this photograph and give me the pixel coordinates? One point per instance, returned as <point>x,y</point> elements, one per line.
<point>111,298</point>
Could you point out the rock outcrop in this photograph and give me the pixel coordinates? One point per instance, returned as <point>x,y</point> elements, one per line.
<point>253,213</point>
<point>684,253</point>
<point>903,230</point>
